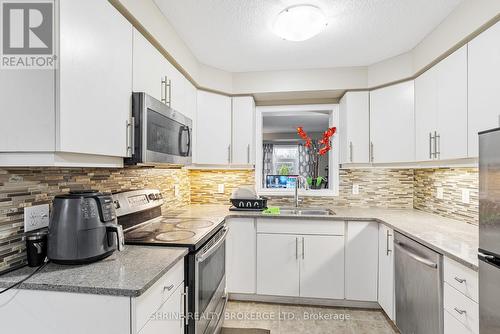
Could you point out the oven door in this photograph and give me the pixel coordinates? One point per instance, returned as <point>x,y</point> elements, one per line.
<point>210,284</point>
<point>165,134</point>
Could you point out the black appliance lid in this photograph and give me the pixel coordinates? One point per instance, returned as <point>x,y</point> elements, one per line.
<point>82,194</point>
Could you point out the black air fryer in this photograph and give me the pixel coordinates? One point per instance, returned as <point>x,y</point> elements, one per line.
<point>83,228</point>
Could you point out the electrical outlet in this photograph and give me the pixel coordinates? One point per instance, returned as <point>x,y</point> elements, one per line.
<point>176,190</point>
<point>220,188</point>
<point>36,217</point>
<point>355,189</point>
<point>439,193</point>
<point>465,196</point>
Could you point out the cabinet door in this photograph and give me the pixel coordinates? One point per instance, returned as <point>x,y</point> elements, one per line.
<point>241,255</point>
<point>355,128</point>
<point>167,319</point>
<point>95,78</point>
<point>322,266</point>
<point>213,140</point>
<point>426,109</point>
<point>484,85</point>
<point>452,105</point>
<point>392,123</point>
<point>243,130</point>
<point>148,67</point>
<point>361,261</point>
<point>386,270</point>
<point>278,264</point>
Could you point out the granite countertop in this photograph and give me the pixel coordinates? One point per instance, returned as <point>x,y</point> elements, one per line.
<point>453,238</point>
<point>128,273</point>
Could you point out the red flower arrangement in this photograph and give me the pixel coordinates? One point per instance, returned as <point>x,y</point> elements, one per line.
<point>320,148</point>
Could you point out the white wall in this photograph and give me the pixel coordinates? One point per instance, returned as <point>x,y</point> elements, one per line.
<point>467,18</point>
<point>299,80</point>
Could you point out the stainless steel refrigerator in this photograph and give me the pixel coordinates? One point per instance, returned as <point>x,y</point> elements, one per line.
<point>489,232</point>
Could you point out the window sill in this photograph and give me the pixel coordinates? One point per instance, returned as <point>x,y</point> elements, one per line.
<point>302,192</point>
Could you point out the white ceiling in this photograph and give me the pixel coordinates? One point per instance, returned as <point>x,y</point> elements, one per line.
<point>236,35</point>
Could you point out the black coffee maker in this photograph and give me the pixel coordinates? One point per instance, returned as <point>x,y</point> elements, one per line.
<point>83,228</point>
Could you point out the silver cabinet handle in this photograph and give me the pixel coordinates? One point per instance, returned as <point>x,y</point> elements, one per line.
<point>460,280</point>
<point>185,299</point>
<point>415,257</point>
<point>350,151</point>
<point>229,153</point>
<point>436,150</point>
<point>169,85</point>
<point>163,90</point>
<point>168,288</point>
<point>437,140</point>
<point>303,248</point>
<point>296,248</point>
<point>248,153</point>
<point>388,235</point>
<point>372,155</point>
<point>461,312</point>
<point>130,136</point>
<point>430,145</point>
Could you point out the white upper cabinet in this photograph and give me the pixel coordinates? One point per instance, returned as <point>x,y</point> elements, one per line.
<point>426,109</point>
<point>213,129</point>
<point>484,85</point>
<point>392,123</point>
<point>243,132</point>
<point>441,109</point>
<point>83,106</point>
<point>452,106</point>
<point>354,127</point>
<point>148,67</point>
<point>95,79</point>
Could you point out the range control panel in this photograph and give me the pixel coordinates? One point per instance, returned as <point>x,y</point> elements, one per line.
<point>136,200</point>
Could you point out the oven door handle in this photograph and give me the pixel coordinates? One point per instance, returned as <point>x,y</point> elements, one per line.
<point>202,257</point>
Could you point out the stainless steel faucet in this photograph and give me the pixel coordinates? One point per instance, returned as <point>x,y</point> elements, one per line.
<point>300,179</point>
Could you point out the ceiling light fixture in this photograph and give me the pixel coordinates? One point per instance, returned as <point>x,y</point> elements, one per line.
<point>301,22</point>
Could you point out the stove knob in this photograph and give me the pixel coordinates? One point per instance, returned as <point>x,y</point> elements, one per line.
<point>160,196</point>
<point>117,204</point>
<point>151,197</point>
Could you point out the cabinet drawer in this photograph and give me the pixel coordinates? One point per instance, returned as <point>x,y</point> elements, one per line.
<point>461,278</point>
<point>155,296</point>
<point>300,226</point>
<point>453,326</point>
<point>462,308</point>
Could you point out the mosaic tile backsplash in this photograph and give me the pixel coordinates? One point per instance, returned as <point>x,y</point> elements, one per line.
<point>25,187</point>
<point>453,181</point>
<point>388,188</point>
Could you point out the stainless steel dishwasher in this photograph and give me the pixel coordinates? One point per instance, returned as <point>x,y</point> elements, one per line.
<point>419,287</point>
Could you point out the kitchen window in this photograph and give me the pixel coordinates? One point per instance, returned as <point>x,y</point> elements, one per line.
<point>282,153</point>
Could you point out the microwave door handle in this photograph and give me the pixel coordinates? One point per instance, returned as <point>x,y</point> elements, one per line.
<point>188,144</point>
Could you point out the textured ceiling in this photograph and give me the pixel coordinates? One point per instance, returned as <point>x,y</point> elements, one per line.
<point>236,35</point>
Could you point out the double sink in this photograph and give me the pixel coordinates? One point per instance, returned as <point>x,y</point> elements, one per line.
<point>306,211</point>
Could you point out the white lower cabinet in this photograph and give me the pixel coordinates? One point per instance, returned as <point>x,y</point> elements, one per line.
<point>241,247</point>
<point>165,319</point>
<point>278,265</point>
<point>453,326</point>
<point>160,309</point>
<point>386,293</point>
<point>300,265</point>
<point>362,259</point>
<point>322,266</point>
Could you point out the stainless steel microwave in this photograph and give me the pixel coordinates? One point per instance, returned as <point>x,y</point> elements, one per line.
<point>160,134</point>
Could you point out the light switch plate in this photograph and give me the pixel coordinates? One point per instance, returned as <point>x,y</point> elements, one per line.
<point>465,196</point>
<point>220,188</point>
<point>355,189</point>
<point>176,190</point>
<point>439,193</point>
<point>36,217</point>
